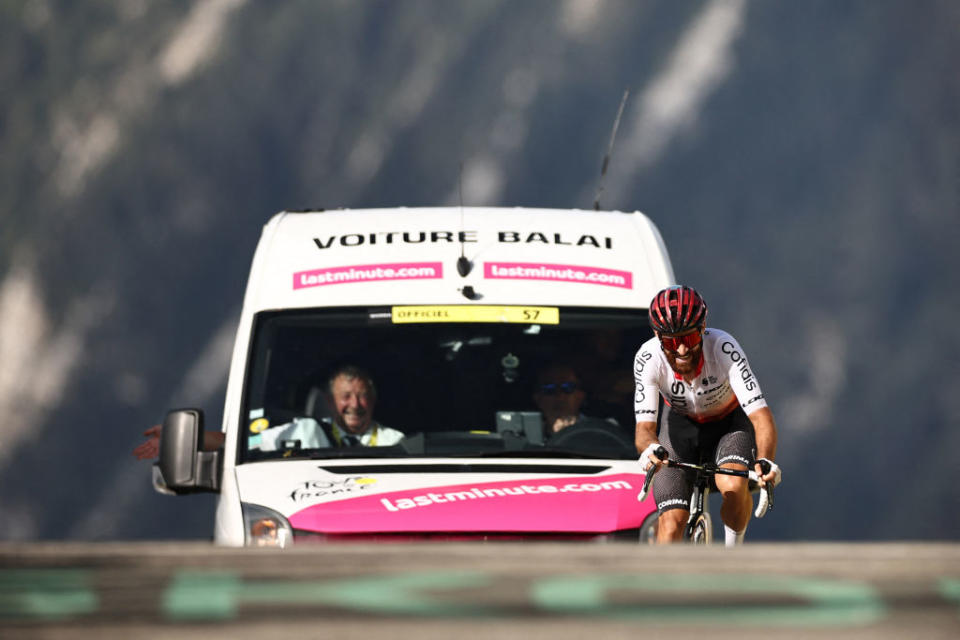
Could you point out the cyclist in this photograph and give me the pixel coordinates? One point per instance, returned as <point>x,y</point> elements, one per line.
<point>713,409</point>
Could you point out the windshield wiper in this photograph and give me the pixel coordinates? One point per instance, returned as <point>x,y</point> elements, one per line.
<point>541,453</point>
<point>396,451</point>
<point>358,452</point>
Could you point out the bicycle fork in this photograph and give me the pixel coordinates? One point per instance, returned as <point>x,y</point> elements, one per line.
<point>699,518</point>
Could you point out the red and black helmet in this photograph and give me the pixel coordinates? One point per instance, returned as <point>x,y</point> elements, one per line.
<point>677,309</point>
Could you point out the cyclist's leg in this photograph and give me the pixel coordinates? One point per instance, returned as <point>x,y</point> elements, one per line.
<point>672,487</point>
<point>736,449</point>
<point>671,490</point>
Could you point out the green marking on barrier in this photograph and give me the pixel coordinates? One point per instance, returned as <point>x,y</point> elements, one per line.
<point>403,594</point>
<point>827,602</point>
<point>46,594</point>
<point>684,599</point>
<point>950,588</point>
<point>216,596</point>
<point>202,595</point>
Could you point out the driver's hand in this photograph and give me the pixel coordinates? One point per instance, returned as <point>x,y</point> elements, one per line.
<point>151,448</point>
<point>563,422</point>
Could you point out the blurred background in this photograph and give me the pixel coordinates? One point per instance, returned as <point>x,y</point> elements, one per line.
<point>802,160</point>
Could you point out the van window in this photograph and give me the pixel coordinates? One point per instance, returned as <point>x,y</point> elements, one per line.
<point>454,388</point>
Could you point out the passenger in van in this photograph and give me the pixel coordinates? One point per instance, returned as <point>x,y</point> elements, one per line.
<point>559,396</point>
<point>350,395</point>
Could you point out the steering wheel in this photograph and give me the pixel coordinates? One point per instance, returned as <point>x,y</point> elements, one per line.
<point>595,436</point>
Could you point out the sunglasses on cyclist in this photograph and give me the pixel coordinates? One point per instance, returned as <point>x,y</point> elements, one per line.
<point>672,343</point>
<point>553,389</point>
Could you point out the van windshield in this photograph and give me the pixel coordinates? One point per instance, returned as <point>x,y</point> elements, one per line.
<point>451,381</point>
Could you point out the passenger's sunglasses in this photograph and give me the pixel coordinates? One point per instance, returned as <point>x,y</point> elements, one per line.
<point>553,389</point>
<point>672,343</point>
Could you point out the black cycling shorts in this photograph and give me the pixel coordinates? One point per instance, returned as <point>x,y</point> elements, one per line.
<point>730,439</point>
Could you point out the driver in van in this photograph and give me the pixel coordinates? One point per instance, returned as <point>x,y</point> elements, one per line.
<point>559,396</point>
<point>351,396</point>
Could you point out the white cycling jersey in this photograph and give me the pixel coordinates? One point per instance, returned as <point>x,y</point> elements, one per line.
<point>723,381</point>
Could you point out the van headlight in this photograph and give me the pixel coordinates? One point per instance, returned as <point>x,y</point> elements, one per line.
<point>264,527</point>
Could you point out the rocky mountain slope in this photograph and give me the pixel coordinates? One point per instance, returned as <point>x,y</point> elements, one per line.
<point>801,159</point>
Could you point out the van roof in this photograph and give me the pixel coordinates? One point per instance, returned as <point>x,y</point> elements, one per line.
<point>409,256</point>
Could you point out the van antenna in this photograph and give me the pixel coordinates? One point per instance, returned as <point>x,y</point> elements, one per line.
<point>606,157</point>
<point>463,264</point>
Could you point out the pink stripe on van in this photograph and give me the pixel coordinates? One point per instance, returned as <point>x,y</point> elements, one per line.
<point>558,273</point>
<point>368,273</point>
<point>599,504</point>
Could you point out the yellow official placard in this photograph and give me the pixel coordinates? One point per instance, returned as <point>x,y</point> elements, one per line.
<point>478,313</point>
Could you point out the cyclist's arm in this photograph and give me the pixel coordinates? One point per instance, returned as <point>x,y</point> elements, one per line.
<point>765,429</point>
<point>646,435</point>
<point>646,398</point>
<point>766,432</point>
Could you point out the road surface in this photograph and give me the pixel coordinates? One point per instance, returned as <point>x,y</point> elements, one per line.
<point>458,590</point>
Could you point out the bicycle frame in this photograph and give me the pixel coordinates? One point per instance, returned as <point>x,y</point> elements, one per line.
<point>698,497</point>
<point>701,490</point>
<point>703,473</point>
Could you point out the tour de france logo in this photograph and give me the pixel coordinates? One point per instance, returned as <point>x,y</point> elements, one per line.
<point>315,489</point>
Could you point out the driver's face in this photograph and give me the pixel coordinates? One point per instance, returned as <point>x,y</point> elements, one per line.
<point>353,404</point>
<point>558,393</point>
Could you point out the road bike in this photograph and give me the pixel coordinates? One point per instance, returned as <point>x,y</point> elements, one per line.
<point>699,528</point>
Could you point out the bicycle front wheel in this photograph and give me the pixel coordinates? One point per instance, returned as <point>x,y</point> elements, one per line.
<point>701,532</point>
<point>648,530</point>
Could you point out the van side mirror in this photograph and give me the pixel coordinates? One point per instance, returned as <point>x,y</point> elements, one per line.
<point>184,467</point>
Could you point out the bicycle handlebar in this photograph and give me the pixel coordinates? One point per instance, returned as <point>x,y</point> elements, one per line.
<point>764,504</point>
<point>661,453</point>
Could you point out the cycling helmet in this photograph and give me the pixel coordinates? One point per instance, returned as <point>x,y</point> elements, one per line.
<point>677,309</point>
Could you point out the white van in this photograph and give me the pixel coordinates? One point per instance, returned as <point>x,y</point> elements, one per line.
<point>452,311</point>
